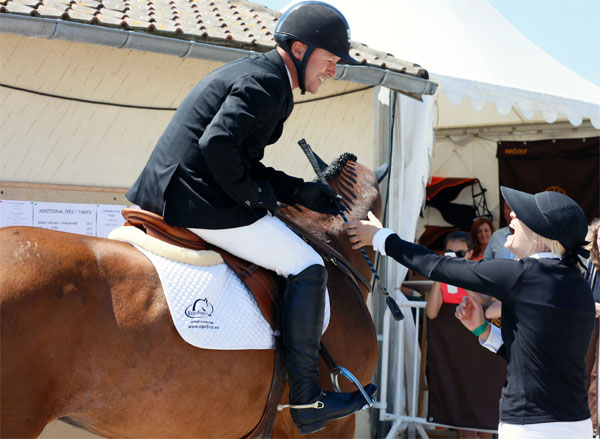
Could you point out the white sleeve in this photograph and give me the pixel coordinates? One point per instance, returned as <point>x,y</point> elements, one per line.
<point>494,340</point>
<point>379,240</point>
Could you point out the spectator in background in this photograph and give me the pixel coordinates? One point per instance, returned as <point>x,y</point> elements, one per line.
<point>448,344</point>
<point>495,248</point>
<point>457,244</point>
<point>591,358</point>
<point>593,266</point>
<point>481,233</point>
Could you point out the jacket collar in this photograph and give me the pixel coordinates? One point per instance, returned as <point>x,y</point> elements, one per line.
<point>274,57</point>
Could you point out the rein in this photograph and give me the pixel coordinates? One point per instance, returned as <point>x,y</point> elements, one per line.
<point>328,253</point>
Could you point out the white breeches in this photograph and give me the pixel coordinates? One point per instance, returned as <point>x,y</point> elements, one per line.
<point>547,430</point>
<point>267,242</point>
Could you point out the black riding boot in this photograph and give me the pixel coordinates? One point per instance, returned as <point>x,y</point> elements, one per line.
<point>303,309</point>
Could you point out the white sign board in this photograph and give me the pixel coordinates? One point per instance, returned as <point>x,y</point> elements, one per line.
<point>66,217</point>
<point>16,213</point>
<point>108,218</point>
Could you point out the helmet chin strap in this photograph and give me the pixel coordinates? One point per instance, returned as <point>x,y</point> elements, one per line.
<point>300,64</point>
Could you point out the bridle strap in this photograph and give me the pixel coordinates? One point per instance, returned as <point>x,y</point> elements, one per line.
<point>328,252</point>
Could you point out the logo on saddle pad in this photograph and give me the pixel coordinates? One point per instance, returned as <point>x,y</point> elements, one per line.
<point>200,307</point>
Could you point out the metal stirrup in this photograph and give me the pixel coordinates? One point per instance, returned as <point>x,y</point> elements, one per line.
<point>314,405</point>
<point>348,375</point>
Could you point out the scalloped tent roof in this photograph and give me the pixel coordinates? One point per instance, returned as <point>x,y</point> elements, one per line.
<point>472,51</point>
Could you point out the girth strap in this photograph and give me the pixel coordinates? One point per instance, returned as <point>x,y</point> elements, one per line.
<point>264,428</point>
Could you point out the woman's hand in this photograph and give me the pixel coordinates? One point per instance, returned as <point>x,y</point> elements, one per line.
<point>469,312</point>
<point>361,232</point>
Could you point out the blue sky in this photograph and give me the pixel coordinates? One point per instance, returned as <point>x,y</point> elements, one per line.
<point>569,30</point>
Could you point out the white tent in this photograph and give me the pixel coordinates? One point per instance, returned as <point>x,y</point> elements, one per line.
<point>513,89</point>
<point>495,84</point>
<point>472,51</point>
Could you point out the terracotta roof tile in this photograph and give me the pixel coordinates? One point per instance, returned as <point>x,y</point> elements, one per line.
<point>30,3</point>
<point>116,5</point>
<point>55,11</point>
<point>89,3</point>
<point>17,8</point>
<point>110,13</point>
<point>109,19</point>
<point>232,23</point>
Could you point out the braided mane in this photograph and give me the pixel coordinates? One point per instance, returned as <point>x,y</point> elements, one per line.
<point>337,166</point>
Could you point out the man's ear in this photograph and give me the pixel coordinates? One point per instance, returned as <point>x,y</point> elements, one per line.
<point>299,49</point>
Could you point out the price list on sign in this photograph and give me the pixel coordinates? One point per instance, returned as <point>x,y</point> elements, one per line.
<point>66,217</point>
<point>16,213</point>
<point>108,218</point>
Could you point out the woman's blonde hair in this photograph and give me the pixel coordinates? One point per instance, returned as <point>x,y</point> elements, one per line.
<point>554,246</point>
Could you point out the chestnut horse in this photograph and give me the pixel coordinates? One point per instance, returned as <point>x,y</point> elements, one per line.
<point>87,336</point>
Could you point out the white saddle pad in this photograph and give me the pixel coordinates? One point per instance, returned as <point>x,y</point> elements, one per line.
<point>210,306</point>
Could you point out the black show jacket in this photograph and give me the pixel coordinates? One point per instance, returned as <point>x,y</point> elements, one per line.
<point>205,168</point>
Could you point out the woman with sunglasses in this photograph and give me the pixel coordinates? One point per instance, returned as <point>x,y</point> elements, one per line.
<point>457,244</point>
<point>547,310</point>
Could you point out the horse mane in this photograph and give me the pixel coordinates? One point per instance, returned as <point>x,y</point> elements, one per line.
<point>336,167</point>
<point>359,190</point>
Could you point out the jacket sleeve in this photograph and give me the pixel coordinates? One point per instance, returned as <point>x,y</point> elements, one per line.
<point>284,186</point>
<point>253,102</point>
<point>495,277</point>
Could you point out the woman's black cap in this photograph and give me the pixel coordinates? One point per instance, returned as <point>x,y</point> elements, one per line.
<point>549,214</point>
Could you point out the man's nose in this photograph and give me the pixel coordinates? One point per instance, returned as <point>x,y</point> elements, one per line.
<point>332,70</point>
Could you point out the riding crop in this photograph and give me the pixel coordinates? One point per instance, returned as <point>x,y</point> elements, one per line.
<point>391,303</point>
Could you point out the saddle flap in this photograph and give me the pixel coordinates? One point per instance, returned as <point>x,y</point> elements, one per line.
<point>261,282</point>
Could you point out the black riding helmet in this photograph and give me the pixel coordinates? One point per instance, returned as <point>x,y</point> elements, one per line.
<point>317,24</point>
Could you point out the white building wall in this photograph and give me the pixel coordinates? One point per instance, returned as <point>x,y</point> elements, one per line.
<point>56,141</point>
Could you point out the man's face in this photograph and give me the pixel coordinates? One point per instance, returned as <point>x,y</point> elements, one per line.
<point>321,66</point>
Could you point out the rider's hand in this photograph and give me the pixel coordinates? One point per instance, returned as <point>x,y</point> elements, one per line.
<point>318,197</point>
<point>265,198</point>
